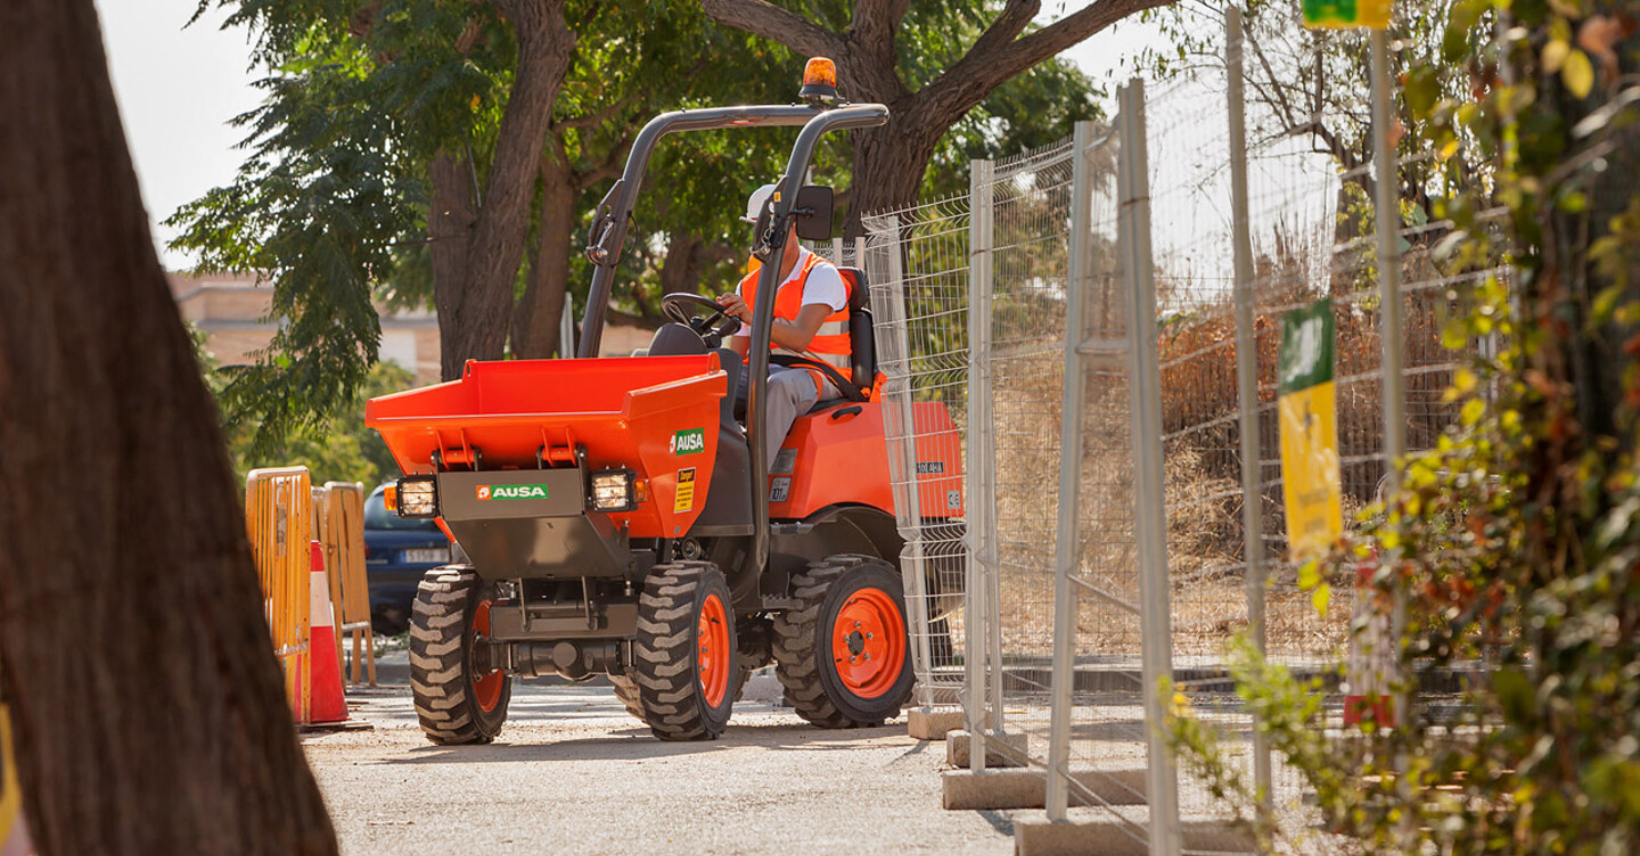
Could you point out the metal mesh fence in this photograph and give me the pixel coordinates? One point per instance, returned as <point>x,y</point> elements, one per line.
<point>1047,267</point>
<point>916,264</point>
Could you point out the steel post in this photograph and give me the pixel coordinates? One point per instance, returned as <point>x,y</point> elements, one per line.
<point>1252,490</point>
<point>1068,544</point>
<point>566,327</point>
<point>1150,513</point>
<point>979,466</point>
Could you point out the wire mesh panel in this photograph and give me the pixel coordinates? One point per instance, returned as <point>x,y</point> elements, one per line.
<point>1030,207</point>
<point>917,266</point>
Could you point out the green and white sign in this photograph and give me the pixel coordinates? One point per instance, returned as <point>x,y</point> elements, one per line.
<point>689,442</point>
<point>488,492</point>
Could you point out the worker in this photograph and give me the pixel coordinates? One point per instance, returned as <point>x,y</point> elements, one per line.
<point>810,320</point>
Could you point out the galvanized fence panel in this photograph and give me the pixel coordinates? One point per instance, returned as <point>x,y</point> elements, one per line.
<point>1244,231</point>
<point>916,267</point>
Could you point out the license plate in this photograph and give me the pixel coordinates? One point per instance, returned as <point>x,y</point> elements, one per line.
<point>436,556</point>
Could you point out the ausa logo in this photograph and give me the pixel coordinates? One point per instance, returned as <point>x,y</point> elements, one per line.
<point>689,442</point>
<point>488,492</point>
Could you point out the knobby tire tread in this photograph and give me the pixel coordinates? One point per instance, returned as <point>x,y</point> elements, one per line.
<point>440,679</point>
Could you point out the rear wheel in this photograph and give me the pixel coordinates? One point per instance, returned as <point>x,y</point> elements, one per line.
<point>626,692</point>
<point>458,697</point>
<point>684,657</point>
<point>842,654</point>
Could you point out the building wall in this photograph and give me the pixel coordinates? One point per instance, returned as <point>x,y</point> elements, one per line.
<point>232,310</point>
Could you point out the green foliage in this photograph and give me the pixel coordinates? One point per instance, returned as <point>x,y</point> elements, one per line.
<point>340,448</point>
<point>330,204</point>
<point>1515,541</point>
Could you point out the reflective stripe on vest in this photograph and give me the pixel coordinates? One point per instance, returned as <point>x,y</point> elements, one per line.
<point>831,343</point>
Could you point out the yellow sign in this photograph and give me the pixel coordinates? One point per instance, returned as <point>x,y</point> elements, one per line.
<point>1309,432</point>
<point>684,499</point>
<point>1340,14</point>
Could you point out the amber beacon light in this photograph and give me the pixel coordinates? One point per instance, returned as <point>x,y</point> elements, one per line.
<point>819,80</point>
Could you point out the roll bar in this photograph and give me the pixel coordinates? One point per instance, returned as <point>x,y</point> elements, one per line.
<point>608,238</point>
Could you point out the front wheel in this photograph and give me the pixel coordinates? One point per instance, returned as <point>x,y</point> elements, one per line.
<point>684,658</point>
<point>843,654</point>
<point>458,697</point>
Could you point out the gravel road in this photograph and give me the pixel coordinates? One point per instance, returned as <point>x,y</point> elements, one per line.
<point>573,774</point>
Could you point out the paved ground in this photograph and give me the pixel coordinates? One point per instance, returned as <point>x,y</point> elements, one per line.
<point>573,774</point>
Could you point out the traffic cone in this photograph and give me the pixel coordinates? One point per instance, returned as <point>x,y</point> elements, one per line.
<point>326,704</point>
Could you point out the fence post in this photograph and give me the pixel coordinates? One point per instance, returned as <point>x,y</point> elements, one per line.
<point>1068,545</point>
<point>566,327</point>
<point>980,465</point>
<point>1150,513</point>
<point>1252,489</point>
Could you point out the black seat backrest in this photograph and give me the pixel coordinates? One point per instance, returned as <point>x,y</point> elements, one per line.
<point>861,334</point>
<point>676,340</point>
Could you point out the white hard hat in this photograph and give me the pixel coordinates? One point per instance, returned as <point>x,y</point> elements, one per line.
<point>755,202</point>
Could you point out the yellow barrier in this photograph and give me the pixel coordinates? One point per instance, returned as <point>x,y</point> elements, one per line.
<point>343,537</point>
<point>277,520</point>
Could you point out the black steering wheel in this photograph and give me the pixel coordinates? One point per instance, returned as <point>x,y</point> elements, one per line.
<point>679,306</point>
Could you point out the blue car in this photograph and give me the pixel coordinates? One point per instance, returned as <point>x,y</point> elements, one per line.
<point>397,552</point>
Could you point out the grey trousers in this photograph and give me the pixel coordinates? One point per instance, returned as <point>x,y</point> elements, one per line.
<point>791,392</point>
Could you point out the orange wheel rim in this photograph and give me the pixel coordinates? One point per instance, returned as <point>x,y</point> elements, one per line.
<point>486,687</point>
<point>713,658</point>
<point>868,643</point>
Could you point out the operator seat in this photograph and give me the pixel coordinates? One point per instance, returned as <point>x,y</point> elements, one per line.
<point>676,340</point>
<point>862,336</point>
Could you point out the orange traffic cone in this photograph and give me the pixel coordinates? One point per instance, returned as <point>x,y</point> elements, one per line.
<point>326,703</point>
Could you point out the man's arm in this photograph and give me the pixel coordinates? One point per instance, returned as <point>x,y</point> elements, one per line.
<point>792,335</point>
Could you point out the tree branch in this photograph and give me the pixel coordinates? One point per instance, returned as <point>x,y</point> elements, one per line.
<point>593,119</point>
<point>997,55</point>
<point>776,24</point>
<point>609,167</point>
<point>1015,17</point>
<point>875,24</point>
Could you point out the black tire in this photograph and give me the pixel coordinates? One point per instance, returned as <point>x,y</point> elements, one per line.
<point>626,692</point>
<point>670,666</point>
<point>804,637</point>
<point>452,709</point>
<point>754,640</point>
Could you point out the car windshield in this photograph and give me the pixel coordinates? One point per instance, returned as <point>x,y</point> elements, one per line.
<point>376,516</point>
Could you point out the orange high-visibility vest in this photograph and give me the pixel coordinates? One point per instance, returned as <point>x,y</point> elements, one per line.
<point>831,343</point>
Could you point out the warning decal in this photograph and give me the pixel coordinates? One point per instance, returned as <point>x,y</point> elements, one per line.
<point>684,499</point>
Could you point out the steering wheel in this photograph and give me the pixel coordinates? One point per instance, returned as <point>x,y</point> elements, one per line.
<point>712,327</point>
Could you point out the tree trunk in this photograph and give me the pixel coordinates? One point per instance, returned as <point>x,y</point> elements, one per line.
<point>150,710</point>
<point>680,270</point>
<point>889,163</point>
<point>450,220</point>
<point>483,306</point>
<point>535,324</point>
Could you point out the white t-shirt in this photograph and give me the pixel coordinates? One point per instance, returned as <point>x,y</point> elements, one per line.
<point>825,286</point>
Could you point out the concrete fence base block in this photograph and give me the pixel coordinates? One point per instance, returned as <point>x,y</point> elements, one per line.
<point>932,724</point>
<point>1106,837</point>
<point>1001,750</point>
<point>1017,788</point>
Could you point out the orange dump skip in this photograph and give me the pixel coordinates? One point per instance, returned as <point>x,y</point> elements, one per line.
<point>657,416</point>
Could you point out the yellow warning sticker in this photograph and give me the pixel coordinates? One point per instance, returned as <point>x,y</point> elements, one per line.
<point>684,499</point>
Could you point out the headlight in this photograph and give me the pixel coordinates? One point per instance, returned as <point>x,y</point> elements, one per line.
<point>418,496</point>
<point>612,490</point>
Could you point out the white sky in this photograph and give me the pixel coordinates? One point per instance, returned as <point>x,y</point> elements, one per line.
<point>177,89</point>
